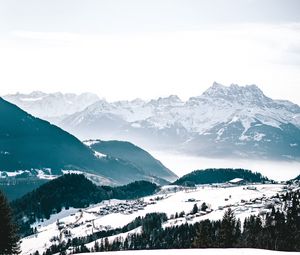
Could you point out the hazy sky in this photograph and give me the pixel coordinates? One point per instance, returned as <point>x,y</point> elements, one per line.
<point>128,49</point>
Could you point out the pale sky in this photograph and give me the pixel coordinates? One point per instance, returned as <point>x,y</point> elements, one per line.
<point>128,49</point>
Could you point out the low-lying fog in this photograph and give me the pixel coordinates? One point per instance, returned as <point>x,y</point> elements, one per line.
<point>182,164</point>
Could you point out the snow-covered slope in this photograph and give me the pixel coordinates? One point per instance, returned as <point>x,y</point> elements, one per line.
<point>112,214</point>
<point>223,121</point>
<point>52,106</point>
<point>198,252</point>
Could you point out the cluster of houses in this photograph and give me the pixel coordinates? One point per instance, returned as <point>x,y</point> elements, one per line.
<point>124,207</point>
<point>127,207</point>
<point>262,204</point>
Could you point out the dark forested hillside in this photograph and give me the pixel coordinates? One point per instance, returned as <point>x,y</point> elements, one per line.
<point>29,143</point>
<point>134,154</point>
<point>72,190</point>
<point>216,175</point>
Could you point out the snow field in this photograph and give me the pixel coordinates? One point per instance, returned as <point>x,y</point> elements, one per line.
<point>198,252</point>
<point>82,222</point>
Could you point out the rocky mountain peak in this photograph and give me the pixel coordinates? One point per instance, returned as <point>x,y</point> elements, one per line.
<point>236,94</point>
<point>166,101</point>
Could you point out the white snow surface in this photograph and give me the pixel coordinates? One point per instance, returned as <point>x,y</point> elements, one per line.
<point>44,173</point>
<point>96,178</point>
<point>89,143</point>
<point>14,173</point>
<point>82,222</point>
<point>47,175</point>
<point>99,155</point>
<point>198,252</point>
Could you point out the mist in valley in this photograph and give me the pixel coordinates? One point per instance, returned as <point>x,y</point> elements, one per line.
<point>182,164</point>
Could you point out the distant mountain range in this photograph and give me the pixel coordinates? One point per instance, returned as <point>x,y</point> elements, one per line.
<point>52,106</point>
<point>31,147</point>
<point>234,121</point>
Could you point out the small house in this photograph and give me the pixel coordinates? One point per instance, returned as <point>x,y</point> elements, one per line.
<point>237,181</point>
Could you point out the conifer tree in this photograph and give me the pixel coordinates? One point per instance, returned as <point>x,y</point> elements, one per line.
<point>227,236</point>
<point>9,241</point>
<point>195,209</point>
<point>203,235</point>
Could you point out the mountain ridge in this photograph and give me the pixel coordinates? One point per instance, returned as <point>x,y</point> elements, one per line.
<point>32,144</point>
<point>130,152</point>
<point>224,121</point>
<point>231,119</point>
<point>52,106</point>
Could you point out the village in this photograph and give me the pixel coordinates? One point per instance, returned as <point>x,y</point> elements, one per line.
<point>177,202</point>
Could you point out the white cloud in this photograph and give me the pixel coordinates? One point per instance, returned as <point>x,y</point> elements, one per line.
<point>154,64</point>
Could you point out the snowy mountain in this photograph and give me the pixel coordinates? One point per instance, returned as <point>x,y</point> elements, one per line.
<point>234,121</point>
<point>31,147</point>
<point>52,106</point>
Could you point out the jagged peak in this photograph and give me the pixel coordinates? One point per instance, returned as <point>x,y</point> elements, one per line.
<point>128,103</point>
<point>235,93</point>
<point>99,106</point>
<point>165,100</point>
<point>217,85</point>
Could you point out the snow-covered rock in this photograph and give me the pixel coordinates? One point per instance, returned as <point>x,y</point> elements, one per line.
<point>52,106</point>
<point>224,121</point>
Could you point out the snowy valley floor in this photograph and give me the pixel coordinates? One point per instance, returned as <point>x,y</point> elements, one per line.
<point>244,200</point>
<point>198,252</point>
